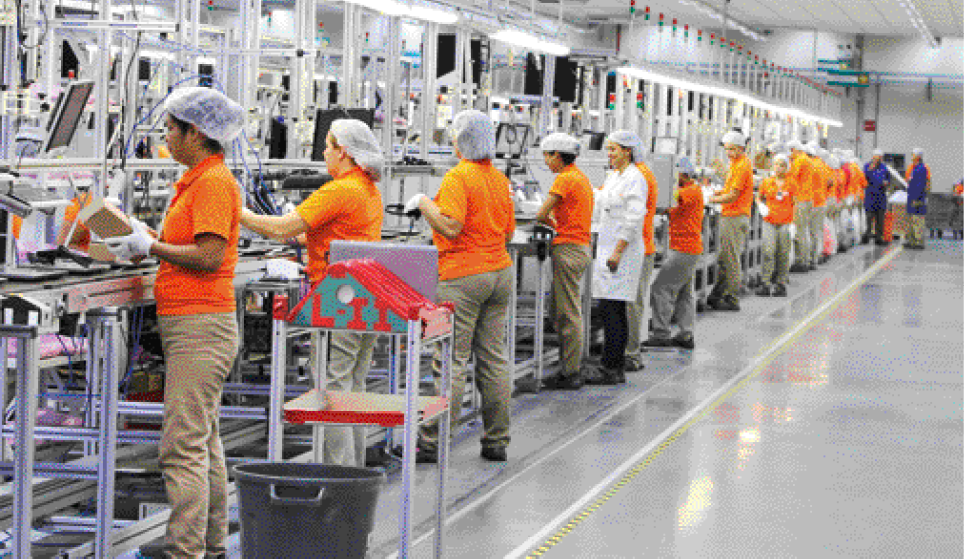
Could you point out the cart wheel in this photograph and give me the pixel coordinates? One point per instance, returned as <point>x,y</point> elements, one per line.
<point>700,306</point>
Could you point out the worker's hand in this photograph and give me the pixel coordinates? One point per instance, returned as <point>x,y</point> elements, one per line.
<point>149,231</point>
<point>414,204</point>
<point>613,261</point>
<point>130,247</point>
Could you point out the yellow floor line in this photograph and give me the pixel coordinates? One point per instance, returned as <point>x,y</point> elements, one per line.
<point>774,349</point>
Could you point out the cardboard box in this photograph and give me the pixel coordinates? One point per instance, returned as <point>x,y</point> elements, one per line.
<point>99,252</point>
<point>105,219</point>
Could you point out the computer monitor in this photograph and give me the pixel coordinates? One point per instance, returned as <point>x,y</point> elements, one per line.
<point>325,117</point>
<point>67,117</point>
<point>596,141</point>
<point>277,140</point>
<point>511,140</point>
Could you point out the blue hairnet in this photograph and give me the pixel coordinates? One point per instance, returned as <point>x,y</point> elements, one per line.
<point>628,139</point>
<point>213,113</point>
<point>684,165</point>
<point>474,133</point>
<point>360,143</point>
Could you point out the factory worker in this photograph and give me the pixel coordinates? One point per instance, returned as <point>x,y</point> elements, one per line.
<point>637,309</point>
<point>840,214</point>
<point>568,209</point>
<point>672,291</point>
<point>875,201</point>
<point>958,214</point>
<point>821,181</point>
<point>801,169</point>
<point>472,218</point>
<point>194,291</point>
<point>619,213</point>
<point>736,198</point>
<point>347,208</point>
<point>918,185</point>
<point>856,183</point>
<point>818,194</point>
<point>776,201</point>
<point>80,240</point>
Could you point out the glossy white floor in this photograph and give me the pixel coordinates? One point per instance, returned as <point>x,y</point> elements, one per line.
<point>826,424</point>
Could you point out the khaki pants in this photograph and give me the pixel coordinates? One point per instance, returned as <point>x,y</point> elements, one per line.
<point>569,263</point>
<point>637,309</point>
<point>776,253</point>
<point>816,231</point>
<point>199,352</point>
<point>481,303</point>
<point>915,231</point>
<point>802,242</point>
<point>672,295</point>
<point>349,359</point>
<point>733,232</point>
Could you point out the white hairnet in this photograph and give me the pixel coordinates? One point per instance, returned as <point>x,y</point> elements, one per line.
<point>810,149</point>
<point>794,145</point>
<point>735,138</point>
<point>213,113</point>
<point>628,139</point>
<point>684,165</point>
<point>560,142</point>
<point>782,157</point>
<point>824,154</point>
<point>918,152</point>
<point>360,143</point>
<point>777,148</point>
<point>834,162</point>
<point>474,133</point>
<point>878,152</point>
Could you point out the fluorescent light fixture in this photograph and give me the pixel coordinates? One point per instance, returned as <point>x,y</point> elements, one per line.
<point>530,42</point>
<point>401,9</point>
<point>711,89</point>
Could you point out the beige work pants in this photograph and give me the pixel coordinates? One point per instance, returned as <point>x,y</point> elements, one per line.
<point>569,263</point>
<point>672,295</point>
<point>636,310</point>
<point>199,352</point>
<point>776,253</point>
<point>803,242</point>
<point>733,233</point>
<point>817,215</point>
<point>349,359</point>
<point>915,231</point>
<point>481,304</point>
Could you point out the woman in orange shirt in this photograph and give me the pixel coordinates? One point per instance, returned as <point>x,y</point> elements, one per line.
<point>473,218</point>
<point>194,289</point>
<point>777,197</point>
<point>347,208</point>
<point>671,295</point>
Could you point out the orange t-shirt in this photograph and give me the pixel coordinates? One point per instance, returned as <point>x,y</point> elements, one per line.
<point>477,195</point>
<point>858,181</point>
<point>779,200</point>
<point>840,185</point>
<point>207,199</point>
<point>800,174</point>
<point>910,171</point>
<point>686,220</point>
<point>818,183</point>
<point>959,189</point>
<point>346,208</point>
<point>649,242</point>
<point>739,179</point>
<point>574,212</point>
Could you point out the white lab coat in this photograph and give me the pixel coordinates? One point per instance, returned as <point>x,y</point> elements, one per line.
<point>618,214</point>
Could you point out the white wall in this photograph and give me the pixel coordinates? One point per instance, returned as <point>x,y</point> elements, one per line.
<point>905,54</point>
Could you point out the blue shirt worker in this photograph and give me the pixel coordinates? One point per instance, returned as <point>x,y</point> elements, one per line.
<point>918,185</point>
<point>875,198</point>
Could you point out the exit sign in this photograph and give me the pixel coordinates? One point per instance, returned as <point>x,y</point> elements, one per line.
<point>870,126</point>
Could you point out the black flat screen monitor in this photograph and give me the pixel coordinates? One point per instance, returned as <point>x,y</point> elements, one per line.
<point>325,117</point>
<point>277,140</point>
<point>510,140</point>
<point>535,68</point>
<point>566,80</point>
<point>446,54</point>
<point>66,119</point>
<point>596,141</point>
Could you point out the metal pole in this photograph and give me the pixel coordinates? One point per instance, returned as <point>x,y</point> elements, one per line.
<point>346,93</point>
<point>389,101</point>
<point>428,97</point>
<point>106,321</point>
<point>445,428</point>
<point>548,83</point>
<point>24,424</point>
<point>279,370</point>
<point>411,434</point>
<point>319,374</point>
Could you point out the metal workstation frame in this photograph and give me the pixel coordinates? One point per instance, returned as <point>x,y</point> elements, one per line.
<point>238,55</point>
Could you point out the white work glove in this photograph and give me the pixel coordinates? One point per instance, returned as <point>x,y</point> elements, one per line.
<point>762,208</point>
<point>135,245</point>
<point>412,206</point>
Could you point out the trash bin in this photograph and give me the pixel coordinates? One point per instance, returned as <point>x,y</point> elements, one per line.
<point>297,510</point>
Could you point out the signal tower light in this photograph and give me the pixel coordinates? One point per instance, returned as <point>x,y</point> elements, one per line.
<point>210,5</point>
<point>646,13</point>
<point>686,31</point>
<point>712,38</point>
<point>674,26</point>
<point>632,6</point>
<point>699,35</point>
<point>661,21</point>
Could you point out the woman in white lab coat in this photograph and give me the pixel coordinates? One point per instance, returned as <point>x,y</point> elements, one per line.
<point>619,212</point>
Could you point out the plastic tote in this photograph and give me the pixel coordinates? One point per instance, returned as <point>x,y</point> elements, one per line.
<point>297,510</point>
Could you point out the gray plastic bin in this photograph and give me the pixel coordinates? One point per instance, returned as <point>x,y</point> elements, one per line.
<point>297,510</point>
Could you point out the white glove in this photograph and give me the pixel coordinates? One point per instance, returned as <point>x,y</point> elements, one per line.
<point>135,245</point>
<point>764,211</point>
<point>413,203</point>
